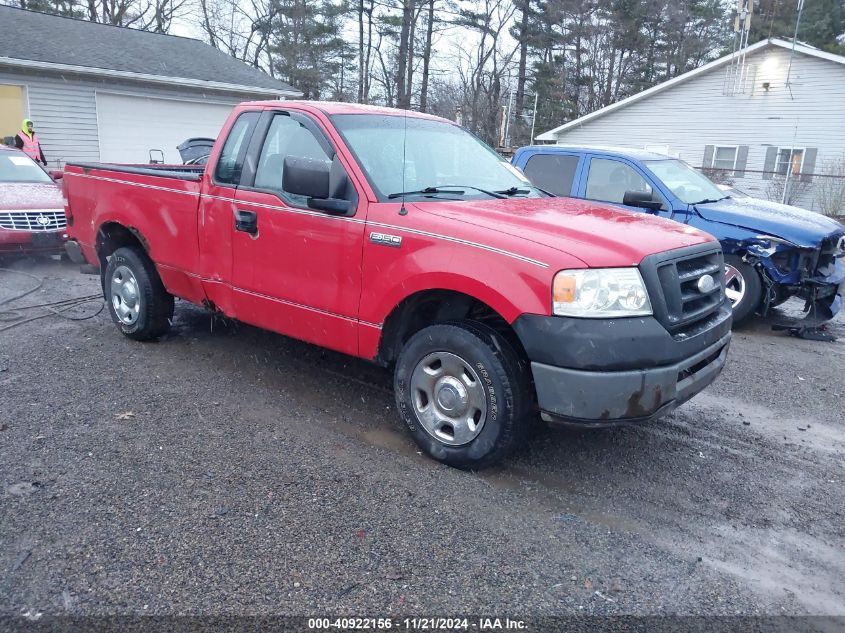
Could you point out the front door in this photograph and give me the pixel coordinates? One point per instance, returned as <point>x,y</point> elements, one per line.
<point>609,179</point>
<point>295,270</point>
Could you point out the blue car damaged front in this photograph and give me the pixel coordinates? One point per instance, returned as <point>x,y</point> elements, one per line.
<point>797,252</point>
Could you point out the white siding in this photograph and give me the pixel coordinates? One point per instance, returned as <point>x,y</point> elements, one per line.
<point>696,113</point>
<point>64,109</point>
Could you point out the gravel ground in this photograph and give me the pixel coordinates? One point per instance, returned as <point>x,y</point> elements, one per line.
<point>227,470</point>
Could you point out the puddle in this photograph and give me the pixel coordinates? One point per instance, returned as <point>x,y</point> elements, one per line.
<point>817,435</point>
<point>786,561</point>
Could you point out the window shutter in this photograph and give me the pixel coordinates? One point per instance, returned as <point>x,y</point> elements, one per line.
<point>708,156</point>
<point>809,167</point>
<point>769,166</point>
<point>741,161</point>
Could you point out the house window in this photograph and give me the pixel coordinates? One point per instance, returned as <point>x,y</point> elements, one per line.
<point>787,156</point>
<point>724,157</point>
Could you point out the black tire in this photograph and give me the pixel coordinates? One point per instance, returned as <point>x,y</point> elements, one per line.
<point>504,379</point>
<point>155,304</point>
<point>753,296</point>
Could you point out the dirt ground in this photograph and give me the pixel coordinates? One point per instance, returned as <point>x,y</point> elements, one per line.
<point>227,470</point>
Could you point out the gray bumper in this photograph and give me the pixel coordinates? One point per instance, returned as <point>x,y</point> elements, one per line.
<point>600,398</point>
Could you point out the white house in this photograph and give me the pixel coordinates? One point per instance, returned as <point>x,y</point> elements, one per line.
<point>745,118</point>
<point>107,93</point>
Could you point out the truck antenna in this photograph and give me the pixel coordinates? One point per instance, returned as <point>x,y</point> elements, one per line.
<point>402,209</point>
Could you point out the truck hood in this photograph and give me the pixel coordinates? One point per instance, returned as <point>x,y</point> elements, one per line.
<point>799,226</point>
<point>598,235</point>
<point>17,196</point>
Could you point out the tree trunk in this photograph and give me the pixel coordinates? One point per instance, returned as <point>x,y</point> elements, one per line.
<point>403,97</point>
<point>523,56</point>
<point>426,58</point>
<point>409,85</point>
<point>361,51</point>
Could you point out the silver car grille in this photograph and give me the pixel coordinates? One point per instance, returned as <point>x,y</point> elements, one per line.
<point>33,220</point>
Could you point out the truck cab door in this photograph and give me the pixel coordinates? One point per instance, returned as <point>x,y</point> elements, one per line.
<point>217,204</point>
<point>617,181</point>
<point>296,270</point>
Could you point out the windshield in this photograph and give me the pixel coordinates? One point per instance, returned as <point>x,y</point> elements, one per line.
<point>689,185</point>
<point>441,160</point>
<point>18,167</point>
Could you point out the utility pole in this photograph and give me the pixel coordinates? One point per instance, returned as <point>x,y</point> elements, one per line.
<point>507,142</point>
<point>794,39</point>
<point>533,119</point>
<point>789,166</point>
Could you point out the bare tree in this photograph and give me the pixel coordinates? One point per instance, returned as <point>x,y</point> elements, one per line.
<point>830,187</point>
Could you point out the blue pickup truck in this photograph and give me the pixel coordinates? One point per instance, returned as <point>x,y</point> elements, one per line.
<point>772,251</point>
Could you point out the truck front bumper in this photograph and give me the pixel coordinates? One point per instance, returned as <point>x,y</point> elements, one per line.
<point>596,398</point>
<point>608,372</point>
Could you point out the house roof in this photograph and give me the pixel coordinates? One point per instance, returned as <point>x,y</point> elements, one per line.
<point>48,42</point>
<point>805,49</point>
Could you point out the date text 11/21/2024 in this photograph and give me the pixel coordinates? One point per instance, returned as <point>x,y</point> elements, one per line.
<point>417,624</point>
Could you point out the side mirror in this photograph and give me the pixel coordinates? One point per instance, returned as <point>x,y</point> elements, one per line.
<point>56,174</point>
<point>312,178</point>
<point>642,200</point>
<point>306,177</point>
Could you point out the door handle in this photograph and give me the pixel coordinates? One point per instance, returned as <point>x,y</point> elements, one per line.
<point>246,221</point>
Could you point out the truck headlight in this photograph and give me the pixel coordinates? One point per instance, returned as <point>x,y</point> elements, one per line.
<point>600,293</point>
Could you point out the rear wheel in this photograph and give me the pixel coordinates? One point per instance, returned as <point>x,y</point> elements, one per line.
<point>743,288</point>
<point>464,393</point>
<point>136,298</point>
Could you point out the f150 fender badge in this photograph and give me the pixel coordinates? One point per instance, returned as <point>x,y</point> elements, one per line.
<point>385,239</point>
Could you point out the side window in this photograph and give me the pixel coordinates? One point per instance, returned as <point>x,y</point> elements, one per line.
<point>285,137</point>
<point>552,172</point>
<point>609,179</point>
<point>230,163</point>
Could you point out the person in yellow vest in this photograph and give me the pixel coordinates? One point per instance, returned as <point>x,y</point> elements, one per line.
<point>27,141</point>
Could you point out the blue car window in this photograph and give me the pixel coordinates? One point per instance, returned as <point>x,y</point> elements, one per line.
<point>552,172</point>
<point>608,181</point>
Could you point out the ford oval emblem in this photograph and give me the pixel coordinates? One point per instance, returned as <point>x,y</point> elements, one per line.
<point>705,284</point>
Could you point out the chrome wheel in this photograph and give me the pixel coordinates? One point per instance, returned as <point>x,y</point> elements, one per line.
<point>448,398</point>
<point>734,285</point>
<point>125,295</point>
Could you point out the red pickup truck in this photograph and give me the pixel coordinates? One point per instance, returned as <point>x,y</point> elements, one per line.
<point>401,238</point>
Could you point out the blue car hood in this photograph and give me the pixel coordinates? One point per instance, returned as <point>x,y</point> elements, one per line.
<point>799,226</point>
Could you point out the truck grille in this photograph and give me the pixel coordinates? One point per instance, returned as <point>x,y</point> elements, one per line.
<point>33,220</point>
<point>681,297</point>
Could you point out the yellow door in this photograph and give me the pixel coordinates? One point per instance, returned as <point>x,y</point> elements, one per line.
<point>11,110</point>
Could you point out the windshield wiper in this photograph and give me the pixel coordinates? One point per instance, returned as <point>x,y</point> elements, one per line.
<point>512,191</point>
<point>453,189</point>
<point>707,200</point>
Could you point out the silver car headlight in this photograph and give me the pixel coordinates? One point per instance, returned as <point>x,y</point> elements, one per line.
<point>598,293</point>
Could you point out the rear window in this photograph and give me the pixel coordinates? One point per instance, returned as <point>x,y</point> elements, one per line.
<point>552,172</point>
<point>18,167</point>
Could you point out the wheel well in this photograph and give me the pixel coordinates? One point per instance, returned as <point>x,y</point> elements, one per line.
<point>112,236</point>
<point>436,306</point>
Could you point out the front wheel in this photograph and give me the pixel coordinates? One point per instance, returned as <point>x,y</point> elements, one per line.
<point>464,393</point>
<point>743,288</point>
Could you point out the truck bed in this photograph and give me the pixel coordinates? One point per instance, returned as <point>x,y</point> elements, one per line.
<point>159,200</point>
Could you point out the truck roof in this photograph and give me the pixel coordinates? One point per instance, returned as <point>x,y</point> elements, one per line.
<point>338,107</point>
<point>626,152</point>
